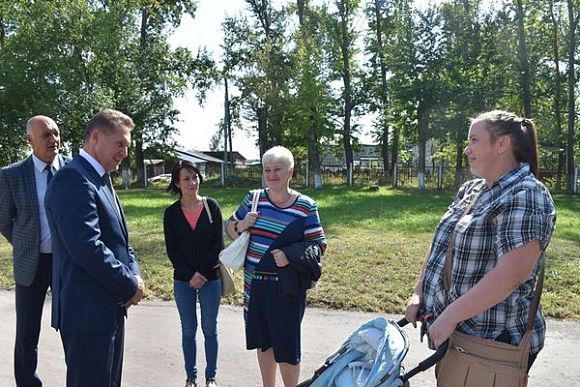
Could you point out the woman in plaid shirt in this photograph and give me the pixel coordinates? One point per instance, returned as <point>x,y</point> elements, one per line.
<point>498,245</point>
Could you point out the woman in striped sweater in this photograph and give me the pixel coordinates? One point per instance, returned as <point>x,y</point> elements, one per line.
<point>282,262</point>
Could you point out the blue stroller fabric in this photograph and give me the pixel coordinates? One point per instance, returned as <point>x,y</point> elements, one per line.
<point>371,357</point>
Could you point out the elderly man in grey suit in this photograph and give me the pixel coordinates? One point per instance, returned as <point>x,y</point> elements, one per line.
<point>23,223</point>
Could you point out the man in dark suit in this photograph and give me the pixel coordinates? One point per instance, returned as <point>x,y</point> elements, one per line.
<point>95,276</point>
<point>23,223</point>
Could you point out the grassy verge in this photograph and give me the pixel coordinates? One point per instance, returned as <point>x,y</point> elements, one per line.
<point>377,242</point>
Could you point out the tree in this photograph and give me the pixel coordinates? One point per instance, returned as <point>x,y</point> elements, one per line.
<point>261,68</point>
<point>70,58</point>
<point>557,89</point>
<point>425,88</point>
<point>573,17</point>
<point>309,122</point>
<point>162,74</point>
<point>524,66</point>
<point>381,15</point>
<point>343,35</point>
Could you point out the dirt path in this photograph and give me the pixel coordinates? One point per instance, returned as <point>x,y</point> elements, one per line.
<point>153,348</point>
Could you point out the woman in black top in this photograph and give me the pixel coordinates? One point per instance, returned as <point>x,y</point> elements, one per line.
<point>193,243</point>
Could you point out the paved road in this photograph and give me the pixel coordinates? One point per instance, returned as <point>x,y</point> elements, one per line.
<point>153,350</point>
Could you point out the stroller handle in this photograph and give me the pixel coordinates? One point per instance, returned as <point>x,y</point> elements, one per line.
<point>402,322</point>
<point>427,363</point>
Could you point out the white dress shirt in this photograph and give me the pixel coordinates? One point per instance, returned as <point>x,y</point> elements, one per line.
<point>40,175</point>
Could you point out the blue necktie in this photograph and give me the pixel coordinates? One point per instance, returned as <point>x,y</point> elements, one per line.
<point>109,183</point>
<point>49,174</point>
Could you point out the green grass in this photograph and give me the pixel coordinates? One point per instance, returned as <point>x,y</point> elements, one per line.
<point>376,245</point>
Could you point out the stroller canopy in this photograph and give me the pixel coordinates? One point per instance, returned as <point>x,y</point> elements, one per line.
<point>371,357</point>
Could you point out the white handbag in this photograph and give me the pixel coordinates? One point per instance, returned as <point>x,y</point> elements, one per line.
<point>228,285</point>
<point>234,255</point>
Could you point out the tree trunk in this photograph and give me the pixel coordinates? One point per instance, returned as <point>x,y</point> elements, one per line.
<point>459,147</point>
<point>225,125</point>
<point>384,96</point>
<point>262,130</point>
<point>314,159</point>
<point>525,80</point>
<point>557,97</point>
<point>228,131</point>
<point>348,152</point>
<point>138,134</point>
<point>313,154</point>
<point>423,113</point>
<point>571,97</point>
<point>347,93</point>
<point>395,150</point>
<point>2,32</point>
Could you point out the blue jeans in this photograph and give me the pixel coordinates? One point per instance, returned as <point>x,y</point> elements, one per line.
<point>209,302</point>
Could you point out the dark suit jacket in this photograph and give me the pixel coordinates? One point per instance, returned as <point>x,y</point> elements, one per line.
<point>304,257</point>
<point>94,267</point>
<point>19,219</point>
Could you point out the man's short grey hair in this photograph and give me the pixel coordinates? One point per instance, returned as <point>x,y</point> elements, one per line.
<point>278,153</point>
<point>36,119</point>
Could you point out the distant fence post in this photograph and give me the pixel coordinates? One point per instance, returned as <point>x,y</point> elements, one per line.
<point>306,167</point>
<point>350,176</point>
<point>576,174</point>
<point>126,177</point>
<point>421,180</point>
<point>440,176</point>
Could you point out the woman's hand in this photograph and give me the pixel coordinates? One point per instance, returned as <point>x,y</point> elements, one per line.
<point>412,311</point>
<point>248,221</point>
<point>280,258</point>
<point>442,328</point>
<point>197,281</point>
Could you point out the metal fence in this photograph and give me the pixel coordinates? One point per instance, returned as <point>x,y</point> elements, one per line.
<point>403,176</point>
<point>434,177</point>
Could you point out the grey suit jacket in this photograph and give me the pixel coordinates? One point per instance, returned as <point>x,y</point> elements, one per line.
<point>19,219</point>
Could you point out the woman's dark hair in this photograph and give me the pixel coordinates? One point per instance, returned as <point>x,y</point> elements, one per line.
<point>181,164</point>
<point>521,130</point>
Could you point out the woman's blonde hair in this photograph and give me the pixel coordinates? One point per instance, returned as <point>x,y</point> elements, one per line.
<point>278,153</point>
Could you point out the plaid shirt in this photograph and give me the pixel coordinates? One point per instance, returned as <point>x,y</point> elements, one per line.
<point>515,210</point>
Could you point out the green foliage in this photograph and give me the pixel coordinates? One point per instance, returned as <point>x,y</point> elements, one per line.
<point>70,58</point>
<point>302,72</point>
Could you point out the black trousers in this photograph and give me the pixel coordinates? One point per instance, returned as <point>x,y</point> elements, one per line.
<point>95,359</point>
<point>29,304</point>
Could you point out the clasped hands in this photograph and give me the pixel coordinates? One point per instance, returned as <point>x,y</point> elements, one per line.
<point>138,293</point>
<point>197,281</point>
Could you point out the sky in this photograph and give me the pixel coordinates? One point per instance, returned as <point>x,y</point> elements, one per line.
<point>199,123</point>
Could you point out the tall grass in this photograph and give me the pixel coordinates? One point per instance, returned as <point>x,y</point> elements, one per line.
<point>376,245</point>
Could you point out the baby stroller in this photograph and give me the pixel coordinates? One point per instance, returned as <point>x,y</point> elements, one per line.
<point>371,357</point>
